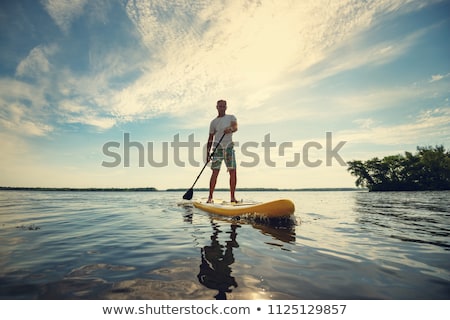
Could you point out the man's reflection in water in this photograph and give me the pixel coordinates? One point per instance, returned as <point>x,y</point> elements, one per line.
<point>215,271</point>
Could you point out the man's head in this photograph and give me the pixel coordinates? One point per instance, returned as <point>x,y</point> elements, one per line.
<point>221,107</point>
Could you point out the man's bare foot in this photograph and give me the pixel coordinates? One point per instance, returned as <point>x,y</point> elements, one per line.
<point>210,200</point>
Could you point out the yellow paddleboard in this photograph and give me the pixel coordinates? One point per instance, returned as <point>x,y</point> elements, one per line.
<point>273,209</point>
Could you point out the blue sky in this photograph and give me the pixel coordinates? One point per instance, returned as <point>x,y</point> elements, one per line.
<point>75,75</point>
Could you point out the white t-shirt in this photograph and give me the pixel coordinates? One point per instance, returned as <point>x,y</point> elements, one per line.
<point>217,127</point>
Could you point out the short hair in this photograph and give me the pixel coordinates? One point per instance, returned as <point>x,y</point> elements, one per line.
<point>221,100</point>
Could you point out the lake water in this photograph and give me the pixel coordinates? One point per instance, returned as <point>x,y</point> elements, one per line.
<point>142,245</point>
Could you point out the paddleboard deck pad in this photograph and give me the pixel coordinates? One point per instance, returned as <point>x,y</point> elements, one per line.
<point>281,208</point>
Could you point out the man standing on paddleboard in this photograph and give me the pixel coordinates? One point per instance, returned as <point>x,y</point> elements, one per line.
<point>221,133</point>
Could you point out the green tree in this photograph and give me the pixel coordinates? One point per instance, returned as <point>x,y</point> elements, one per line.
<point>428,169</point>
<point>358,169</point>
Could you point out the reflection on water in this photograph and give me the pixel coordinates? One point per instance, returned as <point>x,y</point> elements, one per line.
<point>215,271</point>
<point>217,258</point>
<point>284,231</point>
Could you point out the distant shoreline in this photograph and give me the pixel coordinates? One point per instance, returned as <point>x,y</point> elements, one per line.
<point>152,189</point>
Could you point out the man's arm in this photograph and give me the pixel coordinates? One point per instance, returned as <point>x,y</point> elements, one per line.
<point>232,128</point>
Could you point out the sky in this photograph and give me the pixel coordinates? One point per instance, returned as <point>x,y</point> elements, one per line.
<point>119,94</point>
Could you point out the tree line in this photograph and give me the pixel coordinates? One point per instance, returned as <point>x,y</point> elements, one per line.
<point>427,169</point>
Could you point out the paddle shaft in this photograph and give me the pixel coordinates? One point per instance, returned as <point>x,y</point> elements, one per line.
<point>209,158</point>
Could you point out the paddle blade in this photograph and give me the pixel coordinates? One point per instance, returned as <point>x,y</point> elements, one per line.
<point>188,195</point>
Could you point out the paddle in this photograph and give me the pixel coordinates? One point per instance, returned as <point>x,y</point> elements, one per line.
<point>188,195</point>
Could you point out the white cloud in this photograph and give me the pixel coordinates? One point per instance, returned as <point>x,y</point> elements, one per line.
<point>22,108</point>
<point>246,50</point>
<point>73,112</point>
<point>64,12</point>
<point>70,106</point>
<point>436,77</point>
<point>429,127</point>
<point>365,123</point>
<point>36,63</point>
<point>12,90</point>
<point>101,123</point>
<point>19,119</point>
<point>439,77</point>
<point>388,97</point>
<point>199,52</point>
<point>377,99</point>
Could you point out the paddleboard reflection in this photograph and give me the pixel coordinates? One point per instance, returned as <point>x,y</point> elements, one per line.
<point>215,270</point>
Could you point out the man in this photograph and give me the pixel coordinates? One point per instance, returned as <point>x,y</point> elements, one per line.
<point>224,125</point>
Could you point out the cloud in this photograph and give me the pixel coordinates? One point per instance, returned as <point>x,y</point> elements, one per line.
<point>385,96</point>
<point>438,77</point>
<point>378,99</point>
<point>19,119</point>
<point>64,12</point>
<point>202,51</point>
<point>364,123</point>
<point>251,51</point>
<point>37,62</point>
<point>192,53</point>
<point>101,123</point>
<point>22,109</point>
<point>428,127</point>
<point>73,112</point>
<point>12,90</point>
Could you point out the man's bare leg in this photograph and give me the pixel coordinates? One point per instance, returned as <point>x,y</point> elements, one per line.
<point>233,181</point>
<point>212,184</point>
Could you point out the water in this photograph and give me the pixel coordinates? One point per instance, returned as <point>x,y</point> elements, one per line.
<point>141,245</point>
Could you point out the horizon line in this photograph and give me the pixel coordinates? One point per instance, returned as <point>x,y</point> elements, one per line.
<point>153,189</point>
